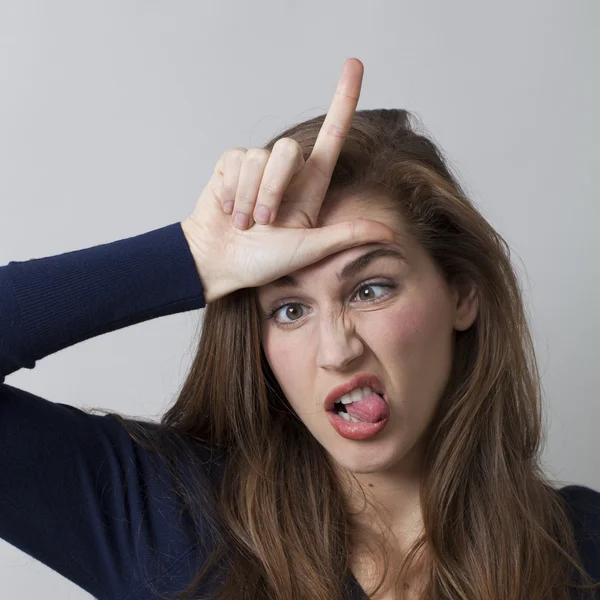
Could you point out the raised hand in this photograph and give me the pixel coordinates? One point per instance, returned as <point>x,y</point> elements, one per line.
<point>230,251</point>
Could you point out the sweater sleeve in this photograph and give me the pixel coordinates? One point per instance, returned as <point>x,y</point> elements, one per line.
<point>583,505</point>
<point>48,304</point>
<point>76,492</point>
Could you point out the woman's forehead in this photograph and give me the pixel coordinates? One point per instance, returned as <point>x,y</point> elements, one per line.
<point>347,207</point>
<point>341,266</point>
<point>339,206</point>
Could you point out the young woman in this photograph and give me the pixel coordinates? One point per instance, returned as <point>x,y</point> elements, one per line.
<point>363,415</point>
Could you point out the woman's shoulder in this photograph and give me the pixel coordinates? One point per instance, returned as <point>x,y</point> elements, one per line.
<point>583,502</point>
<point>581,497</point>
<point>584,509</point>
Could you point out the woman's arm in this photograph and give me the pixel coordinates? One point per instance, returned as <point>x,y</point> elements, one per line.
<point>76,492</point>
<point>48,304</point>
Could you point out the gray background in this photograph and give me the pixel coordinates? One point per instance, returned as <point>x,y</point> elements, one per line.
<point>113,114</point>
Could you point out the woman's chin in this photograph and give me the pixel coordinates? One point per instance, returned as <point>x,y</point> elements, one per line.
<point>363,463</point>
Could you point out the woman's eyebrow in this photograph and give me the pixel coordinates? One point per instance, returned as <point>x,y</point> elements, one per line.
<point>350,269</point>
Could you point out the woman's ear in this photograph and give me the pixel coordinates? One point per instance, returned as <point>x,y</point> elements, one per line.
<point>467,304</point>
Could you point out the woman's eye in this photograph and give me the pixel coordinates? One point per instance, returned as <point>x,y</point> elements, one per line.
<point>371,295</point>
<point>290,311</point>
<point>287,314</point>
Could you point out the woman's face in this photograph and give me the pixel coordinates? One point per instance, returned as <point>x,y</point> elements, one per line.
<point>393,318</point>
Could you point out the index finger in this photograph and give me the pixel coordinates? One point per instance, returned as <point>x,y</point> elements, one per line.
<point>328,145</point>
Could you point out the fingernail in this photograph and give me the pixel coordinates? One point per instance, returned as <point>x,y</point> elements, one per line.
<point>241,220</point>
<point>228,207</point>
<point>262,215</point>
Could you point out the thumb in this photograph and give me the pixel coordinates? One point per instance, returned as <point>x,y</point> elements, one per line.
<point>323,241</point>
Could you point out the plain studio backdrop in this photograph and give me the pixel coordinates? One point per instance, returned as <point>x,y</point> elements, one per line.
<point>113,115</point>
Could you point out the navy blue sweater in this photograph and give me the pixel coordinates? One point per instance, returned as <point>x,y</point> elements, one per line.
<point>77,493</point>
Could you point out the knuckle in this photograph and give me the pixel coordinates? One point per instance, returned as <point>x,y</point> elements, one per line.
<point>353,230</point>
<point>236,153</point>
<point>257,155</point>
<point>334,131</point>
<point>228,190</point>
<point>270,190</point>
<point>246,195</point>
<point>288,147</point>
<point>317,168</point>
<point>347,96</point>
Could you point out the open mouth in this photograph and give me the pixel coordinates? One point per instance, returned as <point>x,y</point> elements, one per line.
<point>339,407</point>
<point>361,412</point>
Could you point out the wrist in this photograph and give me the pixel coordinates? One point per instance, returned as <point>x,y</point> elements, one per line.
<point>211,284</point>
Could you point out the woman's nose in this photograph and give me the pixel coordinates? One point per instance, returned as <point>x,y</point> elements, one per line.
<point>338,344</point>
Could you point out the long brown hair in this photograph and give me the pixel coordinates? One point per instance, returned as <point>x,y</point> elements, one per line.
<point>494,527</point>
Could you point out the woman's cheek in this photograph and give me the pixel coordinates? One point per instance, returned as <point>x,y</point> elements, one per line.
<point>397,328</point>
<point>286,362</point>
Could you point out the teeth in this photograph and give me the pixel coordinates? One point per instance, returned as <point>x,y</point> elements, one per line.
<point>355,395</point>
<point>349,418</point>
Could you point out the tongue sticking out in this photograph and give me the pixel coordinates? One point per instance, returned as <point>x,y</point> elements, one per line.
<point>369,410</point>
